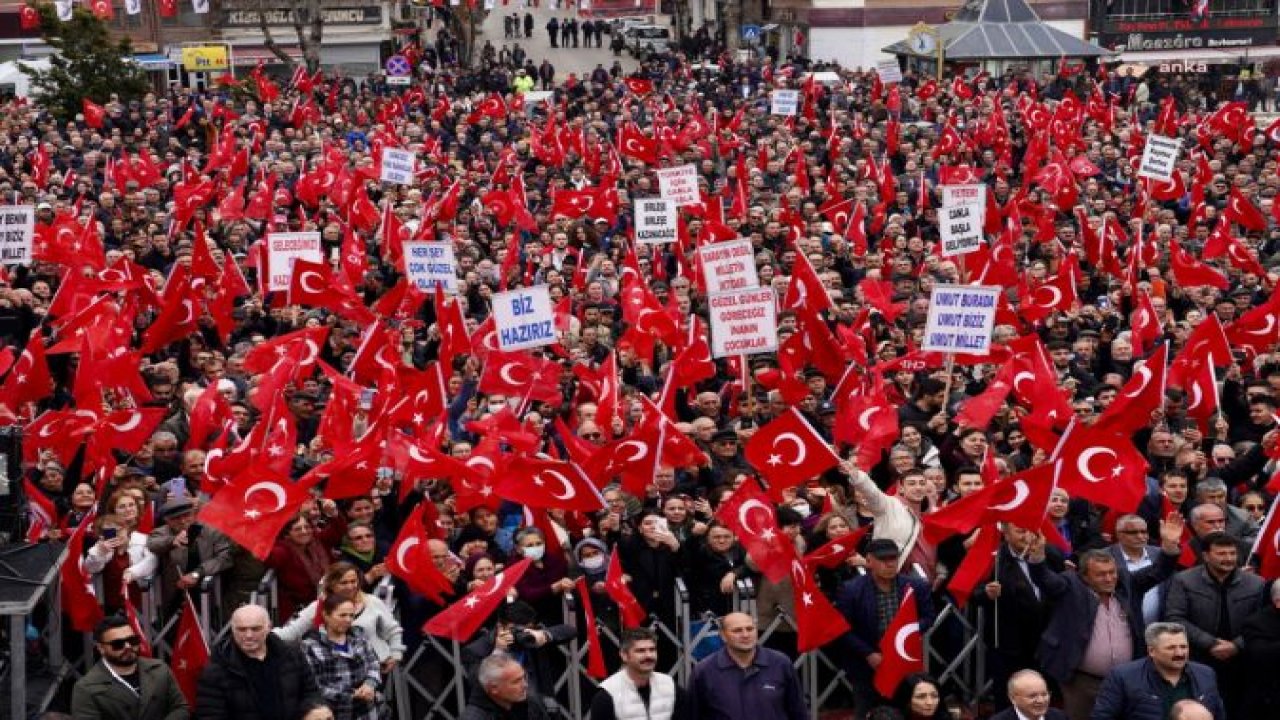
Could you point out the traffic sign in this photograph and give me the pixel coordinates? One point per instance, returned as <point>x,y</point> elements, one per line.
<point>398,65</point>
<point>751,33</point>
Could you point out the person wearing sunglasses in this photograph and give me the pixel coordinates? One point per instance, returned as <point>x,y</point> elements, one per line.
<point>124,686</point>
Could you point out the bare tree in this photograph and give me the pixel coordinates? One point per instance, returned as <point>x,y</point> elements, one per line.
<point>308,24</point>
<point>464,22</point>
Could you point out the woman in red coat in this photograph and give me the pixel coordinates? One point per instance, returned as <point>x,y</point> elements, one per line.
<point>300,557</point>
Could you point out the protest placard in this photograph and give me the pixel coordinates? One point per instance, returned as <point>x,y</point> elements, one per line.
<point>784,102</point>
<point>655,221</point>
<point>729,266</point>
<point>430,263</point>
<point>283,248</point>
<point>524,318</point>
<point>17,234</point>
<point>961,318</point>
<point>889,71</point>
<point>961,218</point>
<point>743,322</point>
<point>1159,157</point>
<point>679,185</point>
<point>398,166</point>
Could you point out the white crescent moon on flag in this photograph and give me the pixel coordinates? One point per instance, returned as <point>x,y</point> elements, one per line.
<point>1197,395</point>
<point>1057,295</point>
<point>274,489</point>
<point>642,451</point>
<point>801,451</point>
<point>745,510</point>
<point>135,419</point>
<point>1082,462</point>
<point>1020,494</point>
<point>1017,381</point>
<point>1146,374</point>
<point>480,460</point>
<point>864,417</point>
<point>505,373</point>
<point>900,640</point>
<point>567,486</point>
<point>303,281</point>
<point>408,544</point>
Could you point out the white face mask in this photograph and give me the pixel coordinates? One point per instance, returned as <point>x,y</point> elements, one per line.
<point>802,508</point>
<point>534,552</point>
<point>496,407</point>
<point>592,563</point>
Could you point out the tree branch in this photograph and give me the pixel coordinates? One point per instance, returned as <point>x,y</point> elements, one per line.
<point>269,40</point>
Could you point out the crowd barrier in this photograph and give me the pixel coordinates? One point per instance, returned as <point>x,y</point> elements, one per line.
<point>433,680</point>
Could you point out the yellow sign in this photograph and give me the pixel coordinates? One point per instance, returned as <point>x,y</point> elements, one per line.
<point>205,57</point>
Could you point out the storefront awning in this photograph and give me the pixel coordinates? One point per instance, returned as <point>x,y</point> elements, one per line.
<point>153,61</point>
<point>251,55</point>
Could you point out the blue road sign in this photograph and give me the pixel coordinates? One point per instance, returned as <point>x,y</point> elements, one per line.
<point>751,33</point>
<point>398,65</point>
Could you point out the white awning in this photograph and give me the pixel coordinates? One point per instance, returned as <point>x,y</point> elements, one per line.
<point>1210,56</point>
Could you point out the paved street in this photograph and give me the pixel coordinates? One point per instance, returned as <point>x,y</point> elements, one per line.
<point>578,60</point>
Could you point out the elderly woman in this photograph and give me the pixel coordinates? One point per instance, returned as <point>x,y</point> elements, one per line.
<point>379,625</point>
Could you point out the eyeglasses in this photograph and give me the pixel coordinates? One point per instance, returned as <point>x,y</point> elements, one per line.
<point>592,436</point>
<point>119,643</point>
<point>1252,507</point>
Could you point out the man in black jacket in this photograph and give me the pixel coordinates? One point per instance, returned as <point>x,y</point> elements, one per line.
<point>502,693</point>
<point>1259,658</point>
<point>255,675</point>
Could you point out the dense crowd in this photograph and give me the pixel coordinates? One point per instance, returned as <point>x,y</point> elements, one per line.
<point>166,394</point>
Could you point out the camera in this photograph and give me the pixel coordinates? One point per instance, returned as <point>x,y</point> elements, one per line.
<point>523,637</point>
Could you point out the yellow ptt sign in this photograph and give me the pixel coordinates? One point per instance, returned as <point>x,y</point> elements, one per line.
<point>205,57</point>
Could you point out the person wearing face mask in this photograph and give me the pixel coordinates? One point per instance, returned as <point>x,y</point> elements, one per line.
<point>548,575</point>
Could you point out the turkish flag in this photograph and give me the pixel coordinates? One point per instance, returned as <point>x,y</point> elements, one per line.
<point>869,422</point>
<point>837,551</point>
<point>1103,467</point>
<point>254,507</point>
<point>901,647</point>
<point>1021,499</point>
<point>41,512</point>
<point>462,619</point>
<point>519,374</point>
<point>190,652</point>
<point>788,451</point>
<point>817,621</point>
<point>1146,324</point>
<point>1267,546</point>
<point>94,114</point>
<point>207,417</point>
<point>168,8</point>
<point>636,145</point>
<point>410,559</point>
<point>615,584</point>
<point>102,9</point>
<point>750,514</point>
<point>131,614</point>
<point>1201,387</point>
<point>1243,212</point>
<point>595,652</point>
<point>693,363</point>
<point>638,85</point>
<point>1188,272</point>
<point>1140,396</point>
<point>550,484</point>
<point>805,290</point>
<point>977,411</point>
<point>29,380</point>
<point>264,355</point>
<point>78,600</point>
<point>1258,329</point>
<point>29,18</point>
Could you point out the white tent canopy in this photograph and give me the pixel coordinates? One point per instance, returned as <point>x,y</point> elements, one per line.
<point>12,77</point>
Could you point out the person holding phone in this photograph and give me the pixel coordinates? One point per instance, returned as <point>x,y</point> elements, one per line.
<point>120,554</point>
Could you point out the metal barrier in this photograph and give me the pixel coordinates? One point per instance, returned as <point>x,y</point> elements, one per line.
<point>433,681</point>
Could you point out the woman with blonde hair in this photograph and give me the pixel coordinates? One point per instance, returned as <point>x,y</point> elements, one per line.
<point>381,629</point>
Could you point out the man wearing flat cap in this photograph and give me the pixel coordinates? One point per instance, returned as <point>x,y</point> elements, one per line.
<point>188,551</point>
<point>869,603</point>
